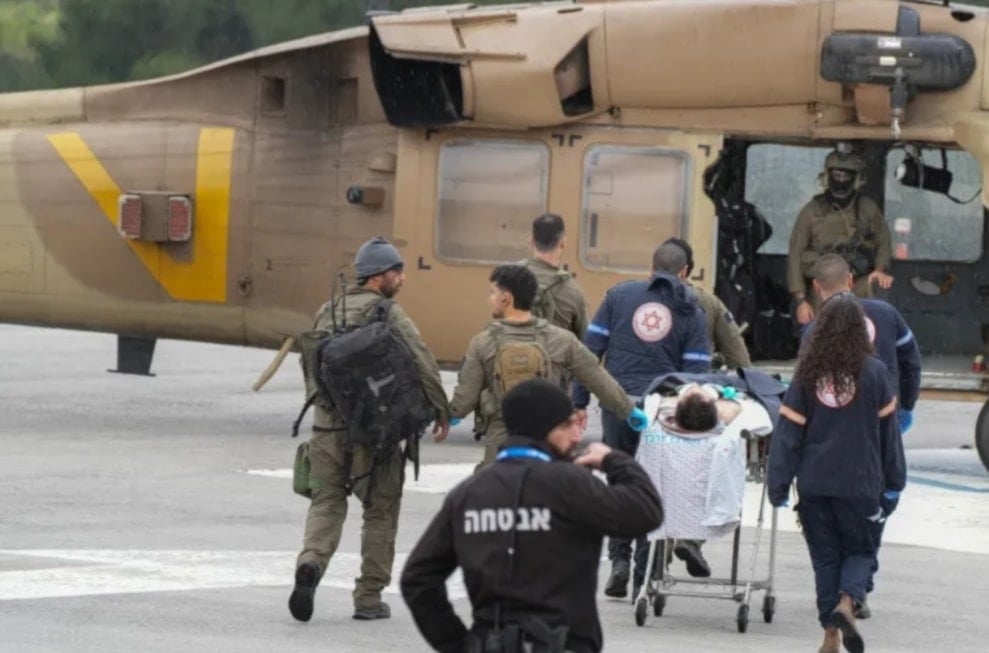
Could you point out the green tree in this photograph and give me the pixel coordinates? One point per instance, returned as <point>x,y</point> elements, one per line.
<point>98,41</point>
<point>21,25</point>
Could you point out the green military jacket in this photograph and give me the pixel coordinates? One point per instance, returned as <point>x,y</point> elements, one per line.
<point>572,312</point>
<point>722,330</point>
<point>820,228</point>
<point>359,302</point>
<point>569,358</point>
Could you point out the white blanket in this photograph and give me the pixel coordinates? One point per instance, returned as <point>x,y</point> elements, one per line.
<point>700,477</point>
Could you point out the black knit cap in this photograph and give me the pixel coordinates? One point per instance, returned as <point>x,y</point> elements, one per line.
<point>535,407</point>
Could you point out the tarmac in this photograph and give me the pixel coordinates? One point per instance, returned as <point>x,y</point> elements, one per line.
<point>156,514</point>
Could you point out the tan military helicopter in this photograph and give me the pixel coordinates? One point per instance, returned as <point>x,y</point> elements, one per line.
<point>218,204</point>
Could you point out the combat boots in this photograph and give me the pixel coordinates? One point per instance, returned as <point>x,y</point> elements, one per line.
<point>379,611</point>
<point>617,585</point>
<point>690,552</point>
<point>300,604</point>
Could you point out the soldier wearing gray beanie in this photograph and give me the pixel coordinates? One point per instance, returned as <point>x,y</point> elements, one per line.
<point>376,256</point>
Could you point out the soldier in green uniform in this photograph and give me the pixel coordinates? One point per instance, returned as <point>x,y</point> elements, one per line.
<point>516,346</point>
<point>722,330</point>
<point>559,300</point>
<point>380,274</point>
<point>839,221</point>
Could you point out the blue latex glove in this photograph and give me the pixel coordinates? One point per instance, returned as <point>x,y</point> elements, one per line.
<point>889,500</point>
<point>637,419</point>
<point>905,419</point>
<point>454,421</point>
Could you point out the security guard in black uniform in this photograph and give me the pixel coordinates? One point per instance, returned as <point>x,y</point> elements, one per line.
<point>527,532</point>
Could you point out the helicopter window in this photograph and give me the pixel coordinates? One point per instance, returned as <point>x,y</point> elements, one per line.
<point>779,180</point>
<point>927,224</point>
<point>489,192</point>
<point>634,198</point>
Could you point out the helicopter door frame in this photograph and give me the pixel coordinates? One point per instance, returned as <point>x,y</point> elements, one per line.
<point>549,176</point>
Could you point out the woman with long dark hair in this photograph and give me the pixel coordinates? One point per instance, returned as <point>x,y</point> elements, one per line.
<point>838,437</point>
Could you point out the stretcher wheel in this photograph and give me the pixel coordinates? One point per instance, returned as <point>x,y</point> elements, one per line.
<point>743,618</point>
<point>658,603</point>
<point>640,612</point>
<point>768,608</point>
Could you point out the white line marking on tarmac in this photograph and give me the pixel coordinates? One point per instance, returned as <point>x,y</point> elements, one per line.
<point>930,516</point>
<point>433,479</point>
<point>96,572</point>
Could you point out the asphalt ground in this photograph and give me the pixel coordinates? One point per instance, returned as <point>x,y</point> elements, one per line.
<point>156,514</point>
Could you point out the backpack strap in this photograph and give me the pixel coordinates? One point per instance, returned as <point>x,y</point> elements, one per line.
<point>305,408</point>
<point>351,482</point>
<point>561,276</point>
<point>558,278</point>
<point>382,308</point>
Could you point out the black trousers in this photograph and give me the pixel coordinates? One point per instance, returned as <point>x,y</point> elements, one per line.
<point>842,537</point>
<point>617,434</point>
<point>888,507</point>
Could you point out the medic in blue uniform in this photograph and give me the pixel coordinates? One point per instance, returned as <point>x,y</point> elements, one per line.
<point>893,340</point>
<point>838,437</point>
<point>645,329</point>
<point>894,345</point>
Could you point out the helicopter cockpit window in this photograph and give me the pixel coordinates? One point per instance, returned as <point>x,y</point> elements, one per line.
<point>926,224</point>
<point>779,180</point>
<point>488,194</point>
<point>634,198</point>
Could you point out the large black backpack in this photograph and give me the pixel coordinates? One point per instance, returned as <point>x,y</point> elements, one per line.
<point>368,375</point>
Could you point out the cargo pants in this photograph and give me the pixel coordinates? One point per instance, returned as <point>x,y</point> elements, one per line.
<point>328,511</point>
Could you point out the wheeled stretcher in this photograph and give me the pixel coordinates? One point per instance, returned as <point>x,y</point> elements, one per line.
<point>701,479</point>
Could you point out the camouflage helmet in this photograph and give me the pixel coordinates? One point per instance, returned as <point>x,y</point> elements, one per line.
<point>844,161</point>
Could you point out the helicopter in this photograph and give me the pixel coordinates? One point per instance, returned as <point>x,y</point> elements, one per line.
<point>218,204</point>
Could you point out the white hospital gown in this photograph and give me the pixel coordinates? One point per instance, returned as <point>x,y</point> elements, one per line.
<point>700,479</point>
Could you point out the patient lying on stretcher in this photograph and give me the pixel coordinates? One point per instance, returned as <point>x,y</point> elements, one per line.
<point>698,409</point>
<point>695,411</point>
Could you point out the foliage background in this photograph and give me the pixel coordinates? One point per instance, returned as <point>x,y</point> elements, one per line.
<point>59,43</point>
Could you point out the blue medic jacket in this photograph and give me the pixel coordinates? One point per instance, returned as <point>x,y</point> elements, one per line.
<point>895,346</point>
<point>845,447</point>
<point>645,329</point>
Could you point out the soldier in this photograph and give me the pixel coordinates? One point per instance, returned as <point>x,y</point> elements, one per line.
<point>517,346</point>
<point>379,269</point>
<point>840,221</point>
<point>722,330</point>
<point>645,329</point>
<point>560,300</point>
